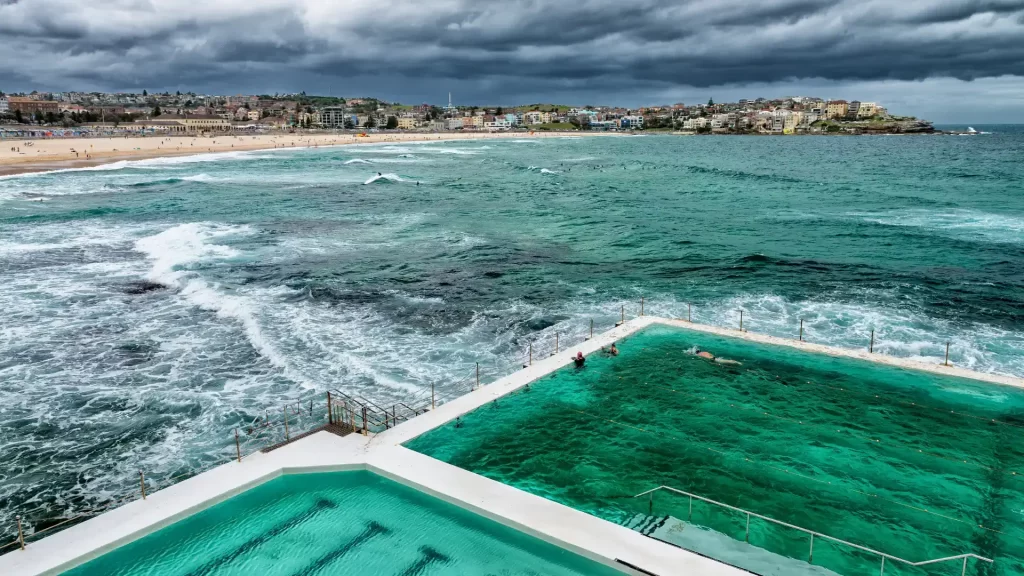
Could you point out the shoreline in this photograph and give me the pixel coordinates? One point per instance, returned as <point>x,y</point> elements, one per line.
<point>40,156</point>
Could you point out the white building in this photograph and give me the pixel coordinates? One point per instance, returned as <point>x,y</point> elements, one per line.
<point>453,123</point>
<point>332,117</point>
<point>498,124</point>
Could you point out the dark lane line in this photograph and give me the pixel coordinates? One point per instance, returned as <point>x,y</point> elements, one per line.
<point>208,568</point>
<point>372,529</point>
<point>430,556</point>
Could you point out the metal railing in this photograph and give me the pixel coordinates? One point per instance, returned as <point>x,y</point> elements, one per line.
<point>812,533</point>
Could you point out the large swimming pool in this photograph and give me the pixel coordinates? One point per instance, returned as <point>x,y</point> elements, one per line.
<point>343,523</point>
<point>913,464</point>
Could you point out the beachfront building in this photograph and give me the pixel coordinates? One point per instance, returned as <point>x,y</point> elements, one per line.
<point>498,124</point>
<point>3,105</point>
<point>837,109</point>
<point>453,123</point>
<point>193,123</point>
<point>406,123</point>
<point>332,117</point>
<point>632,122</point>
<point>31,106</point>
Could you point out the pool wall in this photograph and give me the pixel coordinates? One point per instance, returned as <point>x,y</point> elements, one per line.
<point>384,454</point>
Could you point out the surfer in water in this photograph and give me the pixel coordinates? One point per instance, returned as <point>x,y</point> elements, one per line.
<point>579,360</point>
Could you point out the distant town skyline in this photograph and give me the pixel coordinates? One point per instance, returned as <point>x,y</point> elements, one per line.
<point>949,61</point>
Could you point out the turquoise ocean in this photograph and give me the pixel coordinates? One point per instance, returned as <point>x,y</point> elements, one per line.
<point>150,307</point>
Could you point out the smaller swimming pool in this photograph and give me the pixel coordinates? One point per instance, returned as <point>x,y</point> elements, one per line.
<point>337,523</point>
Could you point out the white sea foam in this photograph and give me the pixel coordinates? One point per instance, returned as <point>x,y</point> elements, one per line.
<point>389,177</point>
<point>962,223</point>
<point>356,161</point>
<point>546,171</point>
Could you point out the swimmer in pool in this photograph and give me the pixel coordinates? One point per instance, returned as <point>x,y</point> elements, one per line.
<point>579,360</point>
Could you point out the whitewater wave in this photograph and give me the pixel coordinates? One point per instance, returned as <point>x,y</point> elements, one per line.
<point>153,163</point>
<point>388,177</point>
<point>173,250</point>
<point>961,223</point>
<point>546,171</point>
<point>357,161</point>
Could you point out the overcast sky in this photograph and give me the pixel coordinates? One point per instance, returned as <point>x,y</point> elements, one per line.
<point>945,60</point>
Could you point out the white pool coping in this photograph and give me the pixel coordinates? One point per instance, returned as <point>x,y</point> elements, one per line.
<point>384,454</point>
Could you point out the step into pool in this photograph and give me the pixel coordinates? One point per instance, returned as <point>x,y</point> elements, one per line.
<point>910,463</point>
<point>338,523</point>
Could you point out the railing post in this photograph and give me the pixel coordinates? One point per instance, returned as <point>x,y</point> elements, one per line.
<point>882,573</point>
<point>21,535</point>
<point>746,537</point>
<point>690,513</point>
<point>432,405</point>
<point>741,320</point>
<point>477,374</point>
<point>964,571</point>
<point>688,306</point>
<point>801,329</point>
<point>622,312</point>
<point>641,305</point>
<point>810,555</point>
<point>947,359</point>
<point>556,342</point>
<point>591,327</point>
<point>365,430</point>
<point>330,413</point>
<point>286,435</point>
<point>531,353</point>
<point>871,345</point>
<point>142,484</point>
<point>238,447</point>
<point>650,505</point>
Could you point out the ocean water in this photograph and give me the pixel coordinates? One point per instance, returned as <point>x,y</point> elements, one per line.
<point>152,306</point>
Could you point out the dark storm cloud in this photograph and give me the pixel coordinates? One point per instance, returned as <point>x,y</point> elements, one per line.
<point>508,47</point>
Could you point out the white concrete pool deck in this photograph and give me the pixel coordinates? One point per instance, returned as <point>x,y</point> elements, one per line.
<point>382,453</point>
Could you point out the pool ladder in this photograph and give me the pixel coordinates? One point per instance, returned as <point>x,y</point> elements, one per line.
<point>812,533</point>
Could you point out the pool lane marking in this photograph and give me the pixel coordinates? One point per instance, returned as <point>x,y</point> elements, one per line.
<point>851,432</point>
<point>257,541</point>
<point>429,556</point>
<point>373,529</point>
<point>786,471</point>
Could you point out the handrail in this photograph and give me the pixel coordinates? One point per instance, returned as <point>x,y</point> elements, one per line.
<point>813,533</point>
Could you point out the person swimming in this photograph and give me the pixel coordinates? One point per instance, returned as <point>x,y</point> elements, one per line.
<point>579,360</point>
<point>709,356</point>
<point>611,350</point>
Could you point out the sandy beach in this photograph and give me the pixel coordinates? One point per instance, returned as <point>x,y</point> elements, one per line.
<point>38,155</point>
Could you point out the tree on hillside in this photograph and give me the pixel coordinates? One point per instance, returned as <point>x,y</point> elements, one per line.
<point>156,111</point>
<point>18,117</point>
<point>144,93</point>
<point>392,123</point>
<point>711,102</point>
<point>500,111</point>
<point>349,124</point>
<point>371,122</point>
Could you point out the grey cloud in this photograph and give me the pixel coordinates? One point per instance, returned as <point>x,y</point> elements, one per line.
<point>504,49</point>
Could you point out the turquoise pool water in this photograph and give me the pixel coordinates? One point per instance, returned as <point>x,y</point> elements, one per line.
<point>914,464</point>
<point>338,524</point>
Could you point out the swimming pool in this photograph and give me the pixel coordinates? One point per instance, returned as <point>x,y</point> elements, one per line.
<point>337,523</point>
<point>913,464</point>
